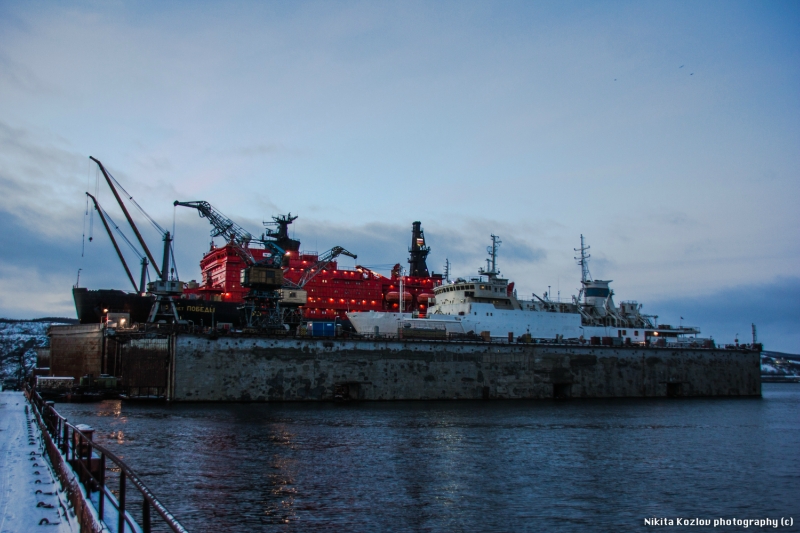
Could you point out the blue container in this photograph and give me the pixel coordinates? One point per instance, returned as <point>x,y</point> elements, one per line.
<point>323,329</point>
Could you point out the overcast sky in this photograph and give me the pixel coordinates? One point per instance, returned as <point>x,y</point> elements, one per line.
<point>668,133</point>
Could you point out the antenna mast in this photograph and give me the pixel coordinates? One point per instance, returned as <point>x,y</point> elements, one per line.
<point>583,261</point>
<point>491,261</point>
<point>496,242</point>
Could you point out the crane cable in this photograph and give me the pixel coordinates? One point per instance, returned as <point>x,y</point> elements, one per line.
<point>172,243</point>
<point>90,212</point>
<point>174,264</point>
<point>83,237</point>
<point>121,234</point>
<point>155,224</point>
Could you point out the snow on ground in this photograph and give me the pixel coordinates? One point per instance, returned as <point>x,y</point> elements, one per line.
<point>31,498</point>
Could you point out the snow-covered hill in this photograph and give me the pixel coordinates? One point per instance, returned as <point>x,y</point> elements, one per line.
<point>777,365</point>
<point>18,342</point>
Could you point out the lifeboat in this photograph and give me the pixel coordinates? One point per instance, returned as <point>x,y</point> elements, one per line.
<point>394,296</point>
<point>424,297</point>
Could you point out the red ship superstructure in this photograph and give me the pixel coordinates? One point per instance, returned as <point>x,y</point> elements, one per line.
<point>328,290</point>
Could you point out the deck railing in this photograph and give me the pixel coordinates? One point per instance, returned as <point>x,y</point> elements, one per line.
<point>90,460</point>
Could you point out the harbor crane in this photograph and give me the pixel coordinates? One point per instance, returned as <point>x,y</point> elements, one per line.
<point>104,218</point>
<point>264,277</point>
<point>322,263</point>
<point>235,234</point>
<point>167,287</point>
<point>294,293</point>
<point>273,299</point>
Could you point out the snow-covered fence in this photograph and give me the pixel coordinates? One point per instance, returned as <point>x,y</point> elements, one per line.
<point>72,447</point>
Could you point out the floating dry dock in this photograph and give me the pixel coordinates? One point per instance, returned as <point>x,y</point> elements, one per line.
<point>190,367</point>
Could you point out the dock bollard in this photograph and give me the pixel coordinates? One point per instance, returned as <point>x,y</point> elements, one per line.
<point>81,449</point>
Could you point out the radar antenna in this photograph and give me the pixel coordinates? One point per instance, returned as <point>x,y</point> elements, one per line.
<point>447,270</point>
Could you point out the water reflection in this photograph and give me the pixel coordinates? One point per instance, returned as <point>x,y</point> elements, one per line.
<point>472,466</point>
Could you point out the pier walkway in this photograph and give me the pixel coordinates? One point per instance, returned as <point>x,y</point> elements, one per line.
<point>31,498</point>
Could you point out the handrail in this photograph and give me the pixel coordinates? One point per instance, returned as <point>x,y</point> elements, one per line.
<point>78,448</point>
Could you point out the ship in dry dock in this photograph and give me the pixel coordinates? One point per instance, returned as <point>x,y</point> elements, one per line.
<point>487,305</point>
<point>267,282</point>
<point>471,338</point>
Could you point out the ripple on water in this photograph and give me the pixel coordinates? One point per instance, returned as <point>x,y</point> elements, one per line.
<point>450,466</point>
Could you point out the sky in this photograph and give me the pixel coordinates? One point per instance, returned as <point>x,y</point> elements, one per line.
<point>666,133</point>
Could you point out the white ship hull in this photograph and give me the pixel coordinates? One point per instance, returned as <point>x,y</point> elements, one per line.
<point>501,322</point>
<point>478,318</point>
<point>488,306</point>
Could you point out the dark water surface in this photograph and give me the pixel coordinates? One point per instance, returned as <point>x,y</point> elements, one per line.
<point>599,465</point>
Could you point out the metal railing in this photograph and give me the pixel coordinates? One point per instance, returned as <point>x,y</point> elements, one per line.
<point>89,460</point>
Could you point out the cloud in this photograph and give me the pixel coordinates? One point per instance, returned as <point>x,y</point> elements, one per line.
<point>474,118</point>
<point>22,78</point>
<point>383,244</point>
<point>28,293</point>
<point>260,150</point>
<point>773,307</point>
<point>39,180</point>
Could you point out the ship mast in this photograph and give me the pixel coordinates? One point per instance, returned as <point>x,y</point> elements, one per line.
<point>491,261</point>
<point>583,261</point>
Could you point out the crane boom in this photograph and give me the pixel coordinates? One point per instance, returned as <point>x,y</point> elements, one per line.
<point>323,261</point>
<point>232,232</point>
<point>128,216</point>
<point>113,241</point>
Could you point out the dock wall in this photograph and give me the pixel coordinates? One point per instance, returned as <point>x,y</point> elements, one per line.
<point>269,369</point>
<point>76,350</point>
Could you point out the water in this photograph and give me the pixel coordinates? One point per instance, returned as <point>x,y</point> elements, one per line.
<point>579,465</point>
